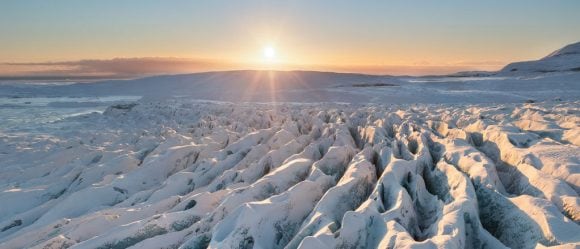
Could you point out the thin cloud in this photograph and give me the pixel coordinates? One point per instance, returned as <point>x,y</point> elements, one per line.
<point>113,68</point>
<point>140,67</point>
<point>490,63</point>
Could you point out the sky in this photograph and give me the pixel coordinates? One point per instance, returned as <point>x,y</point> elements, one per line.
<point>128,38</point>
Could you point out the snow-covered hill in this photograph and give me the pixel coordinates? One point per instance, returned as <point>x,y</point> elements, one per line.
<point>566,59</point>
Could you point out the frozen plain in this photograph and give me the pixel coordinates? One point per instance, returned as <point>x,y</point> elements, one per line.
<point>339,161</point>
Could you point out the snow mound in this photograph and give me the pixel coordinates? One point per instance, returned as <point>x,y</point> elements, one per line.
<point>186,174</point>
<point>566,59</point>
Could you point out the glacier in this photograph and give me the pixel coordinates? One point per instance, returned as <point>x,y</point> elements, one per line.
<point>185,174</point>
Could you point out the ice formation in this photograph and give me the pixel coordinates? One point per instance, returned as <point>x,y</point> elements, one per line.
<point>186,174</point>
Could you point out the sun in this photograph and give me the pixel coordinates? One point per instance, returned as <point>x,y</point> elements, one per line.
<point>269,53</point>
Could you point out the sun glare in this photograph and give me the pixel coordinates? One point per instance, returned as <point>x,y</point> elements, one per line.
<point>269,53</point>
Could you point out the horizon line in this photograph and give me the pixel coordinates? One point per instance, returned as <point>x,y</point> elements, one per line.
<point>95,78</point>
<point>133,68</point>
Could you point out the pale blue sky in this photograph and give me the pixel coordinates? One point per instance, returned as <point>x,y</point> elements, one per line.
<point>304,32</point>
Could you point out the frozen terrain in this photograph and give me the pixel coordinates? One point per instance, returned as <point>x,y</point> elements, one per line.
<point>38,114</point>
<point>251,159</point>
<point>183,174</point>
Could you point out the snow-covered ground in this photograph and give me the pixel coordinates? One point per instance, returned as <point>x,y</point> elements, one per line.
<point>181,173</point>
<point>250,159</point>
<point>314,87</point>
<point>38,114</point>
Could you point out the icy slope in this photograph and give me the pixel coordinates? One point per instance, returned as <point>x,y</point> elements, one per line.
<point>566,59</point>
<point>185,174</point>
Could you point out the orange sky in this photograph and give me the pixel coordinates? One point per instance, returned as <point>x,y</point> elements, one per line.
<point>133,38</point>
